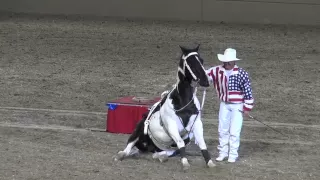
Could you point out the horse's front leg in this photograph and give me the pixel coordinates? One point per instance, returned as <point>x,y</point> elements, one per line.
<point>198,134</point>
<point>174,133</point>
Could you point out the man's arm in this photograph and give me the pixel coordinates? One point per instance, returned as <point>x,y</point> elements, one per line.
<point>247,91</point>
<point>210,74</point>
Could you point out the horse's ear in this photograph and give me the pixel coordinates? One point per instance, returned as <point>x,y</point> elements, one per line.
<point>183,49</point>
<point>197,48</point>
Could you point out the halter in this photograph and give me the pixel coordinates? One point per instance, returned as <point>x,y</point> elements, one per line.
<point>195,80</point>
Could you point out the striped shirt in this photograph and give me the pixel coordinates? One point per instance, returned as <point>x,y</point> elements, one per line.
<point>235,88</point>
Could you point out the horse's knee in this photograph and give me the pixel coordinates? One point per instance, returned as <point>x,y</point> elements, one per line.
<point>202,146</point>
<point>180,143</point>
<point>201,143</point>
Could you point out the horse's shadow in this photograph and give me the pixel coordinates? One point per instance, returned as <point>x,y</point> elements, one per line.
<point>246,148</point>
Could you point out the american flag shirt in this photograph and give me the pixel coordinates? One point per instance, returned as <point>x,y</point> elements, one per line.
<point>233,89</point>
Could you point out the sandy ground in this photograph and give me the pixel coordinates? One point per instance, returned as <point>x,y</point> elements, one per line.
<point>80,64</point>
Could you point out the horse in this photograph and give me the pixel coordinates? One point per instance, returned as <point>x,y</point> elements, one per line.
<point>172,121</point>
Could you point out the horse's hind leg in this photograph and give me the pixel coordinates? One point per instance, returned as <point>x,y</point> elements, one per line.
<point>134,137</point>
<point>127,151</point>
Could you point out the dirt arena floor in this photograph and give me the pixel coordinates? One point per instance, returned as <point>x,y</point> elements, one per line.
<point>57,74</point>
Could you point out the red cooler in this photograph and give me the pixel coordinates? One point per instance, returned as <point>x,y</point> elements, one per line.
<point>124,113</point>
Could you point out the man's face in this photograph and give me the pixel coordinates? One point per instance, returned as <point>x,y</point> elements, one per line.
<point>229,65</point>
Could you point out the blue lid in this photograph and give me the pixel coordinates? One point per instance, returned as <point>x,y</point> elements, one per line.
<point>111,106</point>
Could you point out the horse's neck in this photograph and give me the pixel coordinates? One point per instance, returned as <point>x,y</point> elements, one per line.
<point>182,100</point>
<point>184,93</point>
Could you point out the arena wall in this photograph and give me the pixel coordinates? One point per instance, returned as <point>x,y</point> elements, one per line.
<point>302,12</point>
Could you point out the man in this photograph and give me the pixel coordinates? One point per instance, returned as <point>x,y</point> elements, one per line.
<point>233,88</point>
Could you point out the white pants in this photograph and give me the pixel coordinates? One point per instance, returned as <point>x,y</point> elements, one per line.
<point>230,124</point>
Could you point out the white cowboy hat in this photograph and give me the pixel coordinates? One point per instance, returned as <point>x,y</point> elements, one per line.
<point>229,55</point>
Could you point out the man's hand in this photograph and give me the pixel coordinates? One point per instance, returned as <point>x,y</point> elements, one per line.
<point>246,113</point>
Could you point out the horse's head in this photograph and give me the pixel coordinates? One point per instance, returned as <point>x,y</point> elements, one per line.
<point>191,67</point>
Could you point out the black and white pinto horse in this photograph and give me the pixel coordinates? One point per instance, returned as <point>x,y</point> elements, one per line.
<point>176,118</point>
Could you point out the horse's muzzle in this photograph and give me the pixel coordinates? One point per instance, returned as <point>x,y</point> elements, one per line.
<point>204,83</point>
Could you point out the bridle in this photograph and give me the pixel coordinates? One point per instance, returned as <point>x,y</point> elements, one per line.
<point>185,64</point>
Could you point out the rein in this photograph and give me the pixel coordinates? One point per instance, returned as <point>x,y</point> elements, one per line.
<point>184,105</point>
<point>201,107</point>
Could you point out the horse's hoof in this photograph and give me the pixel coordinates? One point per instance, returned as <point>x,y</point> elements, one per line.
<point>163,158</point>
<point>116,159</point>
<point>120,156</point>
<point>155,156</point>
<point>185,164</point>
<point>211,164</point>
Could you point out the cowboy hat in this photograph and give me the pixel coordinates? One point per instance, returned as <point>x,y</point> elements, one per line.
<point>229,55</point>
